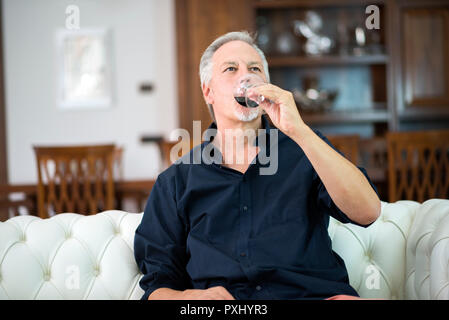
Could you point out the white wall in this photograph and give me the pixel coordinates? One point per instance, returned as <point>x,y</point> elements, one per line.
<point>143,38</point>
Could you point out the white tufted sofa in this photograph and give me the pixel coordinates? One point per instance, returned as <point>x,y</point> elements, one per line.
<point>403,255</point>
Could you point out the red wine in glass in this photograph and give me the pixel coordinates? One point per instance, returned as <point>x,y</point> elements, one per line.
<point>240,91</point>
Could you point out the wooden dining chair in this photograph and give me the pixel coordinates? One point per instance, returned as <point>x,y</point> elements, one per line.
<point>418,165</point>
<point>348,144</point>
<point>373,157</point>
<point>76,179</point>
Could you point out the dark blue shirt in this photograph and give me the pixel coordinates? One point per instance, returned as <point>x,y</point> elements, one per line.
<point>259,236</point>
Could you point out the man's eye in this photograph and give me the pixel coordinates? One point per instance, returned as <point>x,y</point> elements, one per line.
<point>230,69</point>
<point>257,69</point>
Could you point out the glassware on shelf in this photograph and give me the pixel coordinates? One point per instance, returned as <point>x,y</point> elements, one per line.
<point>285,43</point>
<point>359,41</point>
<point>312,98</point>
<point>364,41</point>
<point>310,28</point>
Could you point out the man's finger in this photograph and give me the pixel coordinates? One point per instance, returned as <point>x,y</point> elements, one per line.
<point>269,92</point>
<point>265,90</point>
<point>226,294</point>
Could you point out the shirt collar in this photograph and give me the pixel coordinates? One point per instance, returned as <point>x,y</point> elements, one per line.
<point>215,154</point>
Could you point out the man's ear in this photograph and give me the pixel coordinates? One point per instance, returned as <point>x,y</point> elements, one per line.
<point>208,94</point>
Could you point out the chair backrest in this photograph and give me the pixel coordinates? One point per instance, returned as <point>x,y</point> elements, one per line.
<point>75,179</point>
<point>348,145</point>
<point>176,148</point>
<point>418,165</point>
<point>373,157</point>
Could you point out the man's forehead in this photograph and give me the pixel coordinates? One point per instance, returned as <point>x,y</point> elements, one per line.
<point>236,62</point>
<point>236,52</point>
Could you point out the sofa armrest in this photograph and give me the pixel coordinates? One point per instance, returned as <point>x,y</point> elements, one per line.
<point>375,256</point>
<point>427,252</point>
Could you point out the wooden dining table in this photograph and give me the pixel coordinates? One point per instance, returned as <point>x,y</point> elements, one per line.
<point>17,197</point>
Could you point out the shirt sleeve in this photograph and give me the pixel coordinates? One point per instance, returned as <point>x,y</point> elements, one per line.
<point>160,243</point>
<point>325,201</point>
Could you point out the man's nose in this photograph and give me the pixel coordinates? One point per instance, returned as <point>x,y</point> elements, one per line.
<point>241,75</point>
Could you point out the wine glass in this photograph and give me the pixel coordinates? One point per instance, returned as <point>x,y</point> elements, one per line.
<point>241,87</point>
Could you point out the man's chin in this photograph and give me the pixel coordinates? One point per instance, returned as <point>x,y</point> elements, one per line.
<point>246,114</point>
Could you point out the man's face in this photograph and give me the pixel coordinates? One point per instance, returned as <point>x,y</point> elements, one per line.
<point>231,61</point>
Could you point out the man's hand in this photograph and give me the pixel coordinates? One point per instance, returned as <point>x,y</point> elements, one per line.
<point>213,293</point>
<point>281,108</point>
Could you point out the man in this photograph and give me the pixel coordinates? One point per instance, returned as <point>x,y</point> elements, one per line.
<point>225,231</point>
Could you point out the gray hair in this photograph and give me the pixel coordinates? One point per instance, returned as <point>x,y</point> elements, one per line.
<point>206,58</point>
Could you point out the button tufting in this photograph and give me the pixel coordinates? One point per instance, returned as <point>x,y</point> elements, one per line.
<point>368,255</point>
<point>96,271</point>
<point>47,276</point>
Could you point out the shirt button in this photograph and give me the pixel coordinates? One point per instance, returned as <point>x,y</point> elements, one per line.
<point>258,288</point>
<point>245,208</point>
<point>243,254</point>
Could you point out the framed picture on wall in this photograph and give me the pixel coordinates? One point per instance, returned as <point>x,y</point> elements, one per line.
<point>85,69</point>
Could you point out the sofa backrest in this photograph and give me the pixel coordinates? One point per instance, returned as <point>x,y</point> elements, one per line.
<point>69,256</point>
